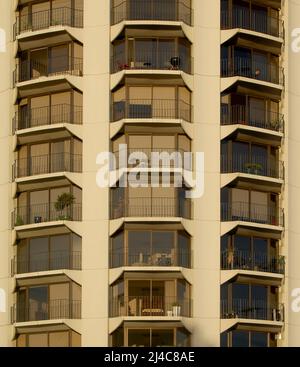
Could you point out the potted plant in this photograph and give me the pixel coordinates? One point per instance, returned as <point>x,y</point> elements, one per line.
<point>19,221</point>
<point>63,203</point>
<point>253,168</point>
<point>176,309</point>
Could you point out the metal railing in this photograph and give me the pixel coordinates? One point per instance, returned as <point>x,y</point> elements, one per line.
<point>252,164</point>
<point>149,306</point>
<point>54,66</point>
<point>158,257</point>
<point>47,212</point>
<point>249,68</point>
<point>244,115</point>
<point>151,109</point>
<point>45,164</point>
<point>45,261</point>
<point>151,207</point>
<point>251,20</point>
<point>47,18</point>
<point>255,309</point>
<point>52,310</point>
<point>251,212</point>
<point>153,158</point>
<point>47,115</point>
<point>147,59</point>
<point>163,10</point>
<point>247,260</point>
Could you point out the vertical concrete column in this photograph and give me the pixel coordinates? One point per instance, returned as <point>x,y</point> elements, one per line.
<point>96,102</point>
<point>292,8</point>
<point>6,68</point>
<point>206,131</point>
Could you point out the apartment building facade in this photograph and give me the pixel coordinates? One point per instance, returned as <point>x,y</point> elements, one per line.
<point>83,265</point>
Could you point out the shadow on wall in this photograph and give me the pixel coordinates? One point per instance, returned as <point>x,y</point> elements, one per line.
<point>2,300</point>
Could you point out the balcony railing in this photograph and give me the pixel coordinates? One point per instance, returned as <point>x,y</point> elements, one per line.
<point>151,207</point>
<point>163,10</point>
<point>246,260</point>
<point>251,212</point>
<point>244,115</point>
<point>252,164</point>
<point>246,67</point>
<point>45,261</point>
<point>54,66</point>
<point>53,310</point>
<point>45,164</point>
<point>151,109</point>
<point>253,21</point>
<point>47,115</point>
<point>149,306</point>
<point>41,213</point>
<point>170,158</point>
<point>255,309</point>
<point>47,18</point>
<point>157,257</point>
<point>146,59</point>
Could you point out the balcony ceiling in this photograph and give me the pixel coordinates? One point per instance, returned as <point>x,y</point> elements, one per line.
<point>30,233</point>
<point>256,184</point>
<point>51,279</point>
<point>44,40</point>
<point>264,280</point>
<point>42,328</point>
<point>256,232</point>
<point>44,88</point>
<point>45,183</point>
<point>254,42</point>
<point>41,135</point>
<point>152,32</point>
<point>255,137</point>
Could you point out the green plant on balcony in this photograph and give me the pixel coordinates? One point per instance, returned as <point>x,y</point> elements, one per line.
<point>63,205</point>
<point>255,168</point>
<point>19,221</point>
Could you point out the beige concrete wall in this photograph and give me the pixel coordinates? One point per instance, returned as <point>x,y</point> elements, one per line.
<point>96,89</point>
<point>206,131</point>
<point>6,68</point>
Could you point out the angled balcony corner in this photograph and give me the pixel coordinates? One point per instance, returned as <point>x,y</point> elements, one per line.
<point>151,10</point>
<point>44,19</point>
<point>255,69</point>
<point>258,165</point>
<point>47,164</point>
<point>254,309</point>
<point>166,109</point>
<point>30,70</point>
<point>256,18</point>
<point>245,260</point>
<point>253,213</point>
<point>150,207</point>
<point>46,212</point>
<point>262,118</point>
<point>57,309</point>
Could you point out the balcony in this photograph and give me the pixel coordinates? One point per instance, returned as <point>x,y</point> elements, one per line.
<point>43,261</point>
<point>157,257</point>
<point>255,21</point>
<point>253,69</point>
<point>147,59</point>
<point>252,164</point>
<point>151,207</point>
<point>46,212</point>
<point>47,115</point>
<point>145,306</point>
<point>54,66</point>
<point>39,20</point>
<point>47,164</point>
<point>244,115</point>
<point>246,260</point>
<point>56,309</point>
<point>151,109</point>
<point>157,10</point>
<point>251,212</point>
<point>255,309</point>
